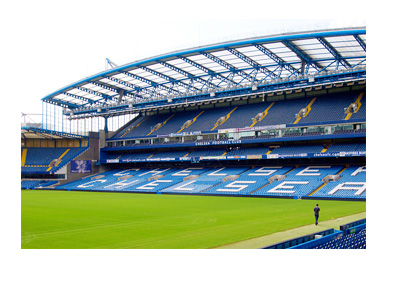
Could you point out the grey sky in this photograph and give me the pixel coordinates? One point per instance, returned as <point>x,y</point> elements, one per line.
<point>63,44</point>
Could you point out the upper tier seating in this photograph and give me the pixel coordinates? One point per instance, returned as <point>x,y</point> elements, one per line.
<point>243,115</point>
<point>134,122</point>
<point>176,122</point>
<point>361,113</point>
<point>324,108</point>
<point>284,112</point>
<point>329,108</point>
<point>38,159</point>
<point>146,125</point>
<point>207,120</point>
<point>42,156</point>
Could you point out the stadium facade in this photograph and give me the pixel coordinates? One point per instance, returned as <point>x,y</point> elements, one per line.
<point>274,116</point>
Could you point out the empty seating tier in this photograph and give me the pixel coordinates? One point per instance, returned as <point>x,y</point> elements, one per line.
<point>267,181</point>
<point>44,160</point>
<point>324,108</point>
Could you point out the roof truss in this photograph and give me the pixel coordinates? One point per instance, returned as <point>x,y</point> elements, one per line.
<point>210,68</point>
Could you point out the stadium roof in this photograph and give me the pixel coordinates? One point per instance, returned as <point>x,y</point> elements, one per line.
<point>242,66</point>
<point>36,132</point>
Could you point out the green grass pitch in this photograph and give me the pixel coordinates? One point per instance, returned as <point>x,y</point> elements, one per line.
<point>81,220</point>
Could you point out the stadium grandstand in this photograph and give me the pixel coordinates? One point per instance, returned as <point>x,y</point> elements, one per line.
<point>280,116</point>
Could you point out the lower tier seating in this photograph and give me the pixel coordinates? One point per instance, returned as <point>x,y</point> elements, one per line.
<point>350,241</point>
<point>275,181</point>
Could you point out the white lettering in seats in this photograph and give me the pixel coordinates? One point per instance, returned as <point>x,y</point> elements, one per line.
<point>236,185</point>
<point>186,172</point>
<point>359,187</point>
<point>312,171</point>
<point>91,184</point>
<point>151,185</point>
<point>359,170</point>
<point>183,187</point>
<point>155,171</point>
<point>265,171</point>
<point>286,187</point>
<point>121,184</point>
<point>125,172</point>
<point>215,173</point>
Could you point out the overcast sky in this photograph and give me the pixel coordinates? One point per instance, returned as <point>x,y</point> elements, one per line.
<point>56,45</point>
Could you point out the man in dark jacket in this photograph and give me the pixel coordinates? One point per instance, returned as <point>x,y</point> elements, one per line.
<point>316,213</point>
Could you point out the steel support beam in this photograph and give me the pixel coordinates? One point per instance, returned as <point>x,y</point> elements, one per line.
<point>167,78</point>
<point>333,52</point>
<point>79,97</point>
<point>209,72</point>
<point>151,84</point>
<point>226,66</point>
<point>360,42</point>
<point>252,63</point>
<point>104,85</point>
<point>185,73</point>
<point>277,59</point>
<point>304,57</point>
<point>61,103</point>
<point>104,96</point>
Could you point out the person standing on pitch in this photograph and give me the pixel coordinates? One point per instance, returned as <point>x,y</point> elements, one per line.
<point>316,213</point>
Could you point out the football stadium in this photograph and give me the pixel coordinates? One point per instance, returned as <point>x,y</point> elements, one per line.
<point>228,145</point>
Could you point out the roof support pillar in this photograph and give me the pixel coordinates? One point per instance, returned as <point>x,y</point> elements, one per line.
<point>106,127</point>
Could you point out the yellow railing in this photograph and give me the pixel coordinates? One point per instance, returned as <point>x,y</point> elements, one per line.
<point>226,118</point>
<point>23,157</point>
<point>59,160</point>
<point>299,117</point>
<point>154,129</point>
<point>265,114</point>
<point>129,130</point>
<point>193,120</point>
<point>358,102</point>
